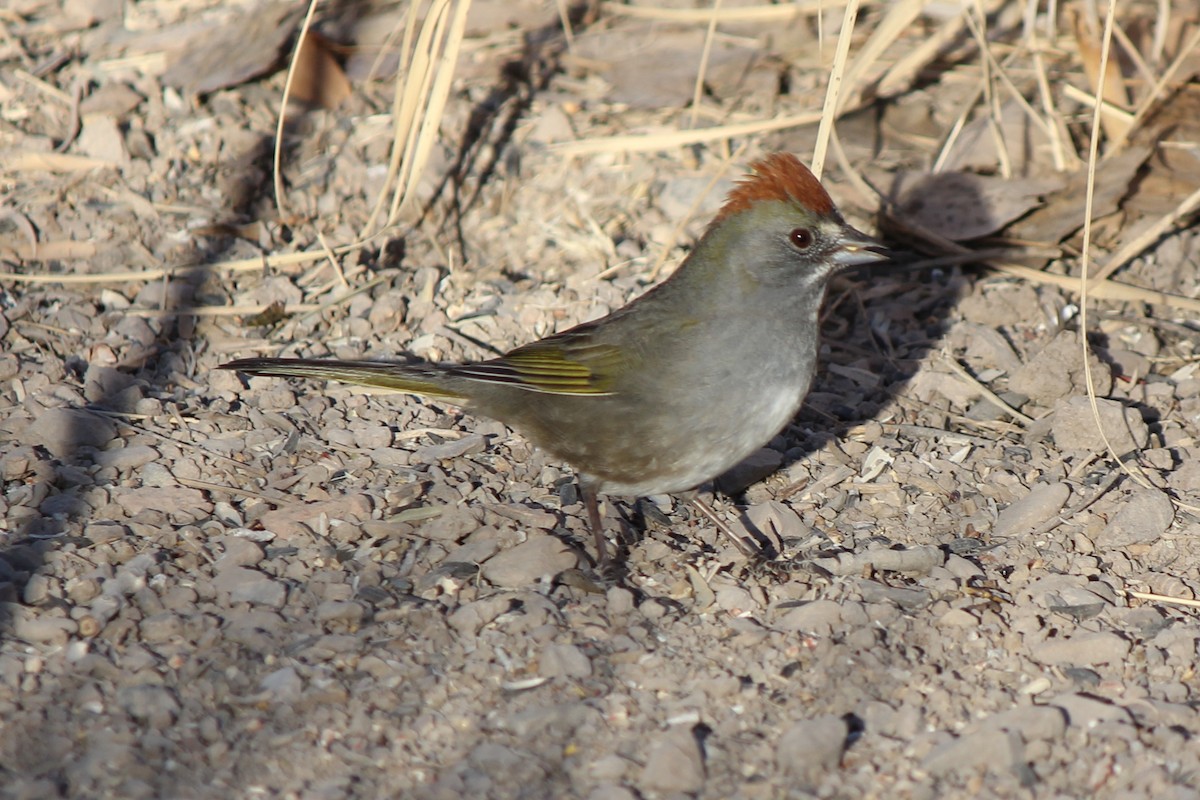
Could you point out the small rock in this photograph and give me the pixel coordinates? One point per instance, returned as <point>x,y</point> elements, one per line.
<point>1074,426</point>
<point>284,685</point>
<point>25,624</point>
<point>470,618</point>
<point>813,747</point>
<point>150,704</point>
<point>620,601</point>
<point>104,532</point>
<point>527,516</point>
<point>239,552</point>
<point>1144,516</point>
<point>1087,649</point>
<point>169,499</point>
<point>958,618</point>
<point>124,458</point>
<point>63,431</point>
<point>557,722</point>
<point>967,753</point>
<point>372,437</point>
<point>735,599</point>
<point>536,557</point>
<point>1057,372</point>
<point>286,521</point>
<point>611,791</point>
<point>161,627</point>
<point>1085,711</point>
<point>1032,722</point>
<point>340,611</point>
<point>818,616</point>
<point>250,586</point>
<point>453,448</point>
<point>675,763</point>
<point>564,661</point>
<point>906,597</point>
<point>1043,502</point>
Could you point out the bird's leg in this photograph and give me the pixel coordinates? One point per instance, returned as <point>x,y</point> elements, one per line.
<point>593,513</point>
<point>747,548</point>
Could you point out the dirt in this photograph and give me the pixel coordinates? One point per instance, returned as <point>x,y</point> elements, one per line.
<point>215,587</point>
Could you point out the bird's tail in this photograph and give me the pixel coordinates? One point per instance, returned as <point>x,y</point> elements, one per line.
<point>425,379</point>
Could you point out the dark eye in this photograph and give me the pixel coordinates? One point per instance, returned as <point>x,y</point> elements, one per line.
<point>802,238</point>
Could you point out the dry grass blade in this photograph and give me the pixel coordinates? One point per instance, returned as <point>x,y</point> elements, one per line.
<point>427,63</point>
<point>1160,87</point>
<point>763,13</point>
<point>899,17</point>
<point>261,264</point>
<point>987,393</point>
<point>641,143</point>
<point>833,90</point>
<point>277,157</point>
<point>25,161</point>
<point>1163,598</point>
<point>1085,348</point>
<point>698,90</point>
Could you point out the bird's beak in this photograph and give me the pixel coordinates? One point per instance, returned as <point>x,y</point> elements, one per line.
<point>856,249</point>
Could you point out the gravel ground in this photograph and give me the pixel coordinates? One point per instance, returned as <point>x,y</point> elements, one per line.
<point>220,587</point>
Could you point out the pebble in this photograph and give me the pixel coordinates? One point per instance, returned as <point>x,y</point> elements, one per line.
<point>288,521</point>
<point>168,499</point>
<point>284,685</point>
<point>812,747</point>
<point>958,618</point>
<point>961,568</point>
<point>1043,502</point>
<point>25,623</point>
<point>149,703</point>
<point>620,601</point>
<point>973,751</point>
<point>1144,516</point>
<point>564,661</point>
<point>1056,371</point>
<point>238,552</point>
<point>340,611</point>
<point>161,627</point>
<point>250,586</point>
<point>371,437</point>
<point>818,617</point>
<point>1085,711</point>
<point>452,448</point>
<point>1074,427</point>
<point>611,791</point>
<point>469,619</point>
<point>1032,722</point>
<point>734,599</point>
<point>104,532</point>
<point>538,556</point>
<point>527,516</point>
<point>63,431</point>
<point>675,763</point>
<point>778,521</point>
<point>559,721</point>
<point>125,458</point>
<point>1085,649</point>
<point>38,589</point>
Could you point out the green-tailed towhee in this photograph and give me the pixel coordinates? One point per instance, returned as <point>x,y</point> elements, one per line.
<point>684,382</point>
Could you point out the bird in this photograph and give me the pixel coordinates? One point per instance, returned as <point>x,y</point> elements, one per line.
<point>681,384</point>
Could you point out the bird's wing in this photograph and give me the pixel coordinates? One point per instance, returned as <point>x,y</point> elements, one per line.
<point>570,363</point>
